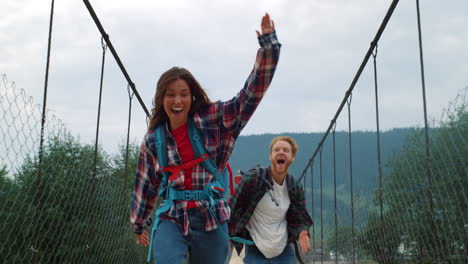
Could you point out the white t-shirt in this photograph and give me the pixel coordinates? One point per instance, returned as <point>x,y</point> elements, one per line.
<point>268,226</point>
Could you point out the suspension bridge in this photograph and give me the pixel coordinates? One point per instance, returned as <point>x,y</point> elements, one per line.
<point>62,201</point>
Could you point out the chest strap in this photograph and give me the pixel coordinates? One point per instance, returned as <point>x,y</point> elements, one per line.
<point>175,170</point>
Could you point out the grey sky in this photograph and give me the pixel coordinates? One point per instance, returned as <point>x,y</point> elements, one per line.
<point>323,44</point>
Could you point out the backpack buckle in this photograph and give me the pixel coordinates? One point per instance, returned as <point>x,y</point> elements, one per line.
<point>191,196</point>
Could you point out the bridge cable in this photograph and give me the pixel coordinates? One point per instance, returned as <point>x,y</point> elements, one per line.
<point>379,161</point>
<point>130,99</point>
<point>427,143</point>
<point>37,197</point>
<point>321,208</point>
<point>313,208</point>
<point>334,193</point>
<point>348,102</point>
<point>356,78</point>
<point>96,143</point>
<point>114,53</point>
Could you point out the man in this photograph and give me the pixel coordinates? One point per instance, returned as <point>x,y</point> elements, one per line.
<point>269,209</point>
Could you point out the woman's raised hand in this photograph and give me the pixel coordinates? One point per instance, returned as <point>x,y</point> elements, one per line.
<point>266,26</point>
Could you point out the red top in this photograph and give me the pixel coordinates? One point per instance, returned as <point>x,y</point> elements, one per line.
<point>184,147</point>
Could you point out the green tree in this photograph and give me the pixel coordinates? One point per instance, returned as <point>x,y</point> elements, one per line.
<point>58,210</point>
<point>117,208</point>
<point>380,240</point>
<point>424,233</point>
<point>8,190</point>
<point>122,161</point>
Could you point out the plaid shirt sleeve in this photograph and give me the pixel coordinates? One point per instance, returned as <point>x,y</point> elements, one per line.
<point>297,217</point>
<point>147,182</point>
<point>239,109</point>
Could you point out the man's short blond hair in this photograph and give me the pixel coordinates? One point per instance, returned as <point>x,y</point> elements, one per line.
<point>292,142</point>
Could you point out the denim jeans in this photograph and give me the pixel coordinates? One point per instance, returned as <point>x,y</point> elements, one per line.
<point>170,246</point>
<point>254,256</point>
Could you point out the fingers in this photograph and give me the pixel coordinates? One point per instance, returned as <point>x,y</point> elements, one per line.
<point>143,238</point>
<point>304,242</point>
<point>305,246</point>
<point>267,25</point>
<point>266,20</point>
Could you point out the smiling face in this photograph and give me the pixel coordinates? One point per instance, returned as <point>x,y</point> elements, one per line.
<point>281,157</point>
<point>177,101</point>
<point>176,77</point>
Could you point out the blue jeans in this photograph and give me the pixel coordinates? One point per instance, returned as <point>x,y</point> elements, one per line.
<point>254,256</point>
<point>170,246</point>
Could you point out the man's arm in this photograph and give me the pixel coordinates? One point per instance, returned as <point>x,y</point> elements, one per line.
<point>298,218</point>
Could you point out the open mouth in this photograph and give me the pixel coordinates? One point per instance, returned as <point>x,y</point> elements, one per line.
<point>280,161</point>
<point>177,110</point>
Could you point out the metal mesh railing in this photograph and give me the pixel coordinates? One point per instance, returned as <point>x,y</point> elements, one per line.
<point>407,230</point>
<point>417,212</point>
<point>69,216</point>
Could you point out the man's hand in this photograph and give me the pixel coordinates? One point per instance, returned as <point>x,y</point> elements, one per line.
<point>304,241</point>
<point>267,25</point>
<point>143,238</point>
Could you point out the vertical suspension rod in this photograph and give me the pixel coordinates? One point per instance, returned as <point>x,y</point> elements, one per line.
<point>377,121</point>
<point>321,209</point>
<point>130,97</point>
<point>313,208</point>
<point>334,194</point>
<point>353,83</point>
<point>351,182</point>
<point>427,142</point>
<point>38,194</point>
<point>116,56</point>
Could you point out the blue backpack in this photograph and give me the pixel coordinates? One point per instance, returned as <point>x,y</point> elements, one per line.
<point>216,187</point>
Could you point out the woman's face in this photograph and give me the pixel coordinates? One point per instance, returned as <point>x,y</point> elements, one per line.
<point>177,101</point>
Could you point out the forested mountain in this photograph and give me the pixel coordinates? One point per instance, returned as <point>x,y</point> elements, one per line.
<point>254,149</point>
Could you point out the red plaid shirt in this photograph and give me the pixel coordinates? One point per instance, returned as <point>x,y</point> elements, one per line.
<point>220,126</point>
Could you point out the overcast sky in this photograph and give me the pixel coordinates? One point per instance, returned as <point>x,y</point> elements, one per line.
<point>323,44</point>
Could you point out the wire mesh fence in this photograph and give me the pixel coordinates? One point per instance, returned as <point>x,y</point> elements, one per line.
<point>424,212</point>
<point>69,214</point>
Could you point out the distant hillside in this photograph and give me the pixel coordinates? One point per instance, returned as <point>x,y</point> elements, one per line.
<point>254,149</point>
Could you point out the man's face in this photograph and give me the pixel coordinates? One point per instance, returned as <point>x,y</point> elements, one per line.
<point>281,156</point>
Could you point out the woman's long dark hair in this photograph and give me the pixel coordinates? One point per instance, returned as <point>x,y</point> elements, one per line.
<point>199,97</point>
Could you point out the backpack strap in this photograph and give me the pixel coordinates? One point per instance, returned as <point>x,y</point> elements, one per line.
<point>228,170</point>
<point>161,149</point>
<point>199,150</point>
<point>170,194</point>
<point>216,186</point>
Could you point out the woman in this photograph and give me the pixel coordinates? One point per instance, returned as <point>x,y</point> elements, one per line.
<point>194,227</point>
